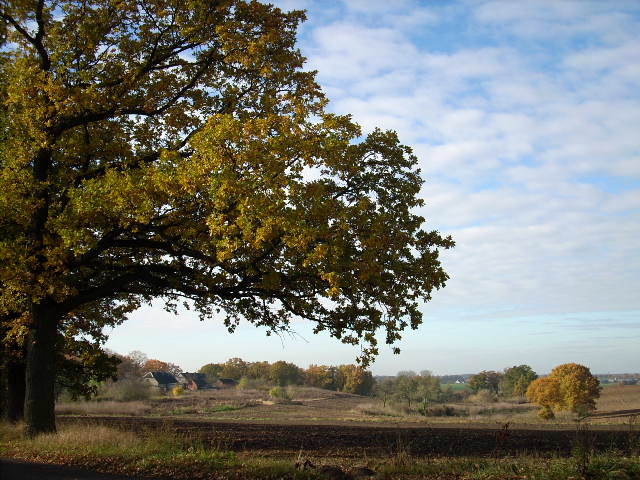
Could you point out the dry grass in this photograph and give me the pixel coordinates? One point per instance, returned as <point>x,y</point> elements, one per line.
<point>494,412</point>
<point>313,393</point>
<point>324,406</point>
<point>125,453</point>
<point>103,408</point>
<point>91,439</point>
<point>619,397</point>
<point>97,437</point>
<point>232,394</point>
<point>613,398</point>
<point>376,410</point>
<point>207,402</point>
<point>162,455</point>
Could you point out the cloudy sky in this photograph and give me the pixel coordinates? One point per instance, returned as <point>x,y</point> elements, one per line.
<point>526,119</point>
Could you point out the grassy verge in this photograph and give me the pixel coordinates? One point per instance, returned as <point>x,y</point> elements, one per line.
<point>605,467</point>
<point>163,454</point>
<point>110,450</point>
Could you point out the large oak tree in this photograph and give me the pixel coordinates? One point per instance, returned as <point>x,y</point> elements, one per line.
<point>177,149</point>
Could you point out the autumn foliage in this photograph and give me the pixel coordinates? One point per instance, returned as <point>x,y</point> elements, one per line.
<point>159,150</point>
<point>570,387</point>
<point>154,365</point>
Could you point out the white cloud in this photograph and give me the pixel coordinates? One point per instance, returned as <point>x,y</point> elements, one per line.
<point>346,51</point>
<point>506,140</point>
<point>559,19</point>
<point>598,59</point>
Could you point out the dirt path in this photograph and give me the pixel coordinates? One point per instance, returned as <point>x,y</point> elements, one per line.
<point>352,440</point>
<point>617,413</point>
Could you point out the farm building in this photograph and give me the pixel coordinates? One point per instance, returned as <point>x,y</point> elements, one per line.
<point>161,380</point>
<point>226,383</point>
<point>195,381</point>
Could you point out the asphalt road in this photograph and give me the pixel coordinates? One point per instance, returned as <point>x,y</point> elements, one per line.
<point>17,470</point>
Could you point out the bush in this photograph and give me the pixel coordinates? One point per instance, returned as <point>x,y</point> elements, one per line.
<point>247,383</point>
<point>483,396</point>
<point>443,411</point>
<point>126,390</point>
<point>177,391</point>
<point>243,384</point>
<point>279,393</point>
<point>546,413</point>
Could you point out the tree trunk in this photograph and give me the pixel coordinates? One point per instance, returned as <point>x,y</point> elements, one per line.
<point>40,375</point>
<point>3,379</point>
<point>16,369</point>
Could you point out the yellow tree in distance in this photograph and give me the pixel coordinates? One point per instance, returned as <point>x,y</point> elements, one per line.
<point>569,387</point>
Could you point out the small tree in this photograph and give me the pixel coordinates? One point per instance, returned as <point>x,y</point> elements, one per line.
<point>357,379</point>
<point>130,366</point>
<point>154,365</point>
<point>516,380</point>
<point>320,376</point>
<point>258,370</point>
<point>235,368</point>
<point>570,387</point>
<point>385,389</point>
<point>485,380</point>
<point>284,373</point>
<point>212,371</point>
<point>578,387</point>
<point>406,387</point>
<point>427,390</point>
<point>546,393</point>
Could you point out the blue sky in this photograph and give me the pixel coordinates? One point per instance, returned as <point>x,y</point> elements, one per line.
<point>525,116</point>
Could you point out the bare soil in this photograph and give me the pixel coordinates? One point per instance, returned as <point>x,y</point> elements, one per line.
<point>350,440</point>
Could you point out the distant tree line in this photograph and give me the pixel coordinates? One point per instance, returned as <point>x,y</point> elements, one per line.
<point>569,387</point>
<point>412,389</point>
<point>418,392</point>
<point>512,382</point>
<point>344,378</point>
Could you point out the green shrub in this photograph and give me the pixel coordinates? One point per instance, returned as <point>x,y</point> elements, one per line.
<point>279,393</point>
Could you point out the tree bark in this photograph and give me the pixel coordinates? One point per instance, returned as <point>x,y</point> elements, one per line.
<point>40,373</point>
<point>15,368</point>
<point>3,379</point>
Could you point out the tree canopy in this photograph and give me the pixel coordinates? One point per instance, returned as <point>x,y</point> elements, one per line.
<point>515,380</point>
<point>177,149</point>
<point>485,380</point>
<point>569,387</point>
<point>154,365</point>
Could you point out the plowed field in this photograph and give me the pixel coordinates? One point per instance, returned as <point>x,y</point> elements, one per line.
<point>357,440</point>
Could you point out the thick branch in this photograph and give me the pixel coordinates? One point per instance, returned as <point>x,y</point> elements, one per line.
<point>45,62</point>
